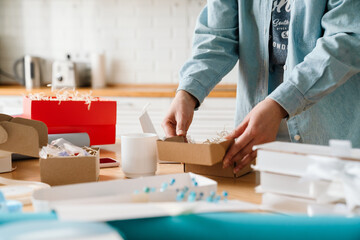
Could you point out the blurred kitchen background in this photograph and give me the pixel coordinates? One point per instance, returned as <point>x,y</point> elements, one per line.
<point>141,41</point>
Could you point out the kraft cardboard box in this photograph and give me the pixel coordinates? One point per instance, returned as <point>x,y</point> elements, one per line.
<point>216,170</point>
<point>20,136</point>
<point>198,158</point>
<point>69,170</point>
<point>175,149</point>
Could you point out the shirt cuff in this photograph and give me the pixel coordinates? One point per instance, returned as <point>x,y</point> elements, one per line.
<point>194,87</point>
<point>290,98</point>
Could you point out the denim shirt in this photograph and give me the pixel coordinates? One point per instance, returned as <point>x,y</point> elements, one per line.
<point>321,79</point>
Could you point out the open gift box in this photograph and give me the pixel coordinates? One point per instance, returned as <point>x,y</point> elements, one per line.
<point>201,158</point>
<point>97,118</point>
<point>70,169</point>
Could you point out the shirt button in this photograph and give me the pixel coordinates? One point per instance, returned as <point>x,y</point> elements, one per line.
<point>285,67</point>
<point>297,137</point>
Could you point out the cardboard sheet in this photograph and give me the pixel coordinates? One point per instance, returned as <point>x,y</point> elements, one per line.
<point>109,212</point>
<point>121,191</point>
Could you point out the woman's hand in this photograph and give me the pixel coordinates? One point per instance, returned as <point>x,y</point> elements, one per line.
<point>259,126</point>
<point>180,115</point>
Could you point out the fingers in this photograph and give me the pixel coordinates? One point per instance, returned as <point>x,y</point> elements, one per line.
<point>181,127</point>
<point>238,130</point>
<point>169,128</point>
<point>241,146</point>
<point>245,161</point>
<point>243,152</point>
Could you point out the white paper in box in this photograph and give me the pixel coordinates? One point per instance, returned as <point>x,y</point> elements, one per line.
<point>121,191</point>
<point>294,186</point>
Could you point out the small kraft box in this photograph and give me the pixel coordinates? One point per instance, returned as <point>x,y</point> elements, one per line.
<point>69,170</point>
<point>201,158</point>
<point>96,117</point>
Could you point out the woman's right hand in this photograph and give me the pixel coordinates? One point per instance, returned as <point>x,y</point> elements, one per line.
<point>180,115</point>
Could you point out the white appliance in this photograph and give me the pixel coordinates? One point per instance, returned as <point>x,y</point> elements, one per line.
<point>31,72</point>
<point>63,74</point>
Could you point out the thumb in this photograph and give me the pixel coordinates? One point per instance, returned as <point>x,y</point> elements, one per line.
<point>237,131</point>
<point>181,128</point>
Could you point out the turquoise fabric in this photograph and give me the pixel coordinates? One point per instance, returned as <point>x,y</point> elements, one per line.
<point>6,218</point>
<point>321,83</point>
<point>53,229</point>
<point>241,226</point>
<point>224,226</point>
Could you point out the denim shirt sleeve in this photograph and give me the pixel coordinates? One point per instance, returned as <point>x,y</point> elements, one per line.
<point>335,59</point>
<point>215,48</point>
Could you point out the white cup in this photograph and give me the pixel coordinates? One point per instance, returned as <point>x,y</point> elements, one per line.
<point>138,154</point>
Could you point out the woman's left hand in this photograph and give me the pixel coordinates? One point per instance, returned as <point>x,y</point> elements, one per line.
<point>259,126</point>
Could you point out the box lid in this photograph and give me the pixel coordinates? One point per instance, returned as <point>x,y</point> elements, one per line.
<point>307,149</point>
<point>63,113</point>
<point>22,136</point>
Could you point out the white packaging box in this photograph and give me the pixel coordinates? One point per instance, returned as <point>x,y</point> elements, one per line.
<point>294,158</point>
<point>122,191</point>
<point>294,186</point>
<point>294,205</point>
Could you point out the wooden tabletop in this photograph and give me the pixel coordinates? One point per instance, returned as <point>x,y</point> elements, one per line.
<point>241,188</point>
<point>127,90</point>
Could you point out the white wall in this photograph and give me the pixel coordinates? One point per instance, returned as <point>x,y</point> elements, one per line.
<point>145,41</point>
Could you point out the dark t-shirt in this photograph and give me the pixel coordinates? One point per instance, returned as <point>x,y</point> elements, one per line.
<point>278,40</point>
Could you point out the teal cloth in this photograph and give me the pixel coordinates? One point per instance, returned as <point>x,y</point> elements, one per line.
<point>224,226</point>
<point>6,218</point>
<point>241,226</point>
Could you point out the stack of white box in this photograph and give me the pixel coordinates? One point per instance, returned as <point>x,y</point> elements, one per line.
<point>311,179</point>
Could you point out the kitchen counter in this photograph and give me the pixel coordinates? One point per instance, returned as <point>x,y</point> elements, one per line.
<point>127,90</point>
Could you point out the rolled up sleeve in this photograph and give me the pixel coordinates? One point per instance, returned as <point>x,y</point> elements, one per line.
<point>215,48</point>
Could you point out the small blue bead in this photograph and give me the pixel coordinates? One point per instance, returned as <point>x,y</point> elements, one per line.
<point>191,198</point>
<point>164,186</point>
<point>185,189</point>
<point>217,199</point>
<point>14,206</point>
<point>180,196</point>
<point>225,194</point>
<point>146,189</point>
<point>153,189</point>
<point>212,193</point>
<point>172,181</point>
<point>136,192</point>
<point>209,199</point>
<point>201,194</point>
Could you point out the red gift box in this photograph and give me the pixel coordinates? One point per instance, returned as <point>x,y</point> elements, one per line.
<point>98,119</point>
